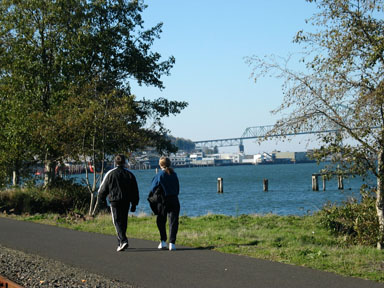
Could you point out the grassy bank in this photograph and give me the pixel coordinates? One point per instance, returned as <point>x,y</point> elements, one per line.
<point>289,239</point>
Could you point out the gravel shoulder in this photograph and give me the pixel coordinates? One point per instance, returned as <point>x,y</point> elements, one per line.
<point>30,270</point>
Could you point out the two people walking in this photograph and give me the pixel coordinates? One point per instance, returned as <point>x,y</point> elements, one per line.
<point>120,187</point>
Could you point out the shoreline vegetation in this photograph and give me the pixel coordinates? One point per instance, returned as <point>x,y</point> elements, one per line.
<point>296,240</point>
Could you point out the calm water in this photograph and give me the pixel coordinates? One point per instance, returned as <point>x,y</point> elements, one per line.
<point>290,191</point>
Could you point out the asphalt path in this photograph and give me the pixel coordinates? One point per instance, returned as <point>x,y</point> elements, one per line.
<point>143,265</point>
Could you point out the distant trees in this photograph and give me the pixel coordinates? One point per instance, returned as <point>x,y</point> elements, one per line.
<point>183,144</point>
<point>65,72</point>
<point>207,150</point>
<point>342,87</point>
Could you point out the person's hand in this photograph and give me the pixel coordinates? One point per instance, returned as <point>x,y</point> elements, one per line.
<point>133,208</point>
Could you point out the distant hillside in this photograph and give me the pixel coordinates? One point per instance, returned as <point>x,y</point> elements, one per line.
<point>183,144</point>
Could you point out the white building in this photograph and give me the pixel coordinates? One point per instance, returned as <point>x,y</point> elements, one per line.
<point>207,161</point>
<point>196,156</point>
<point>235,158</point>
<point>180,159</point>
<point>257,158</point>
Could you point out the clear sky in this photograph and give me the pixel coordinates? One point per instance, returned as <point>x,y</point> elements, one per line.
<point>209,39</point>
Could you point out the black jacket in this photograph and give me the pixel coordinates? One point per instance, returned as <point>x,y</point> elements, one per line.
<point>156,201</point>
<point>120,184</point>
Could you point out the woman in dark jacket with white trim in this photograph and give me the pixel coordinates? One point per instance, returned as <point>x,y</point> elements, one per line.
<point>169,182</point>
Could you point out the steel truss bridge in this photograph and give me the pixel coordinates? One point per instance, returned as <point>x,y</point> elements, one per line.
<point>256,132</point>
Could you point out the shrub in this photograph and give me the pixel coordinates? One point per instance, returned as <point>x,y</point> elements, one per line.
<point>356,221</point>
<point>64,196</point>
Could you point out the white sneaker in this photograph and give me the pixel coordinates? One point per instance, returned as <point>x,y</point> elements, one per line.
<point>162,245</point>
<point>122,247</point>
<point>172,246</point>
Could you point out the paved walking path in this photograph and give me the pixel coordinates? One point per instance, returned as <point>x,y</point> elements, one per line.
<point>146,266</point>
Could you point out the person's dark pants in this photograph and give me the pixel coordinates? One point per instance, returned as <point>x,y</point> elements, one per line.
<point>119,211</point>
<point>172,210</point>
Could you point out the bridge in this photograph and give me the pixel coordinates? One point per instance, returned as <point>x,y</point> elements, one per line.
<point>256,132</point>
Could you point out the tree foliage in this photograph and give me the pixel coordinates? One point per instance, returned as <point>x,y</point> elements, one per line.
<point>340,88</point>
<point>65,73</point>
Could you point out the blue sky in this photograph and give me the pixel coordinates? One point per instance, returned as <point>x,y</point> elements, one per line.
<point>209,39</point>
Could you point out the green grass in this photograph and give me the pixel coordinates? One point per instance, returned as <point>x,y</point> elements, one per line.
<point>288,239</point>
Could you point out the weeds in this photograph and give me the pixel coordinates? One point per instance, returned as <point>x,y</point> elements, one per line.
<point>65,196</point>
<point>356,222</point>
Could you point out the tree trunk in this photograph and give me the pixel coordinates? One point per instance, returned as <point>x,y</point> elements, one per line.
<point>96,206</point>
<point>91,204</point>
<point>16,173</point>
<point>49,175</point>
<point>380,198</point>
<point>15,178</point>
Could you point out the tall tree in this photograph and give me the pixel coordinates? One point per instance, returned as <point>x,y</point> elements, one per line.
<point>35,38</point>
<point>341,87</point>
<point>54,53</point>
<point>16,148</point>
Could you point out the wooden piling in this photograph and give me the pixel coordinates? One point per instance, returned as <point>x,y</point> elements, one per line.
<point>340,184</point>
<point>220,185</point>
<point>324,181</point>
<point>315,184</point>
<point>265,184</point>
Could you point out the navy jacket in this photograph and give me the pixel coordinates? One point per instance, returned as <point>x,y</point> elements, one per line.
<point>169,183</point>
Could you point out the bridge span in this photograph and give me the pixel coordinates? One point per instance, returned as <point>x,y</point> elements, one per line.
<point>256,132</point>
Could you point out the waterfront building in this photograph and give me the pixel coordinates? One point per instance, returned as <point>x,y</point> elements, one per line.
<point>236,158</point>
<point>263,158</point>
<point>206,161</point>
<point>196,156</point>
<point>180,160</point>
<point>149,159</point>
<point>290,157</point>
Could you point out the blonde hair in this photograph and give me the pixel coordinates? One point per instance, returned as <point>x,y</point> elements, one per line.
<point>165,163</point>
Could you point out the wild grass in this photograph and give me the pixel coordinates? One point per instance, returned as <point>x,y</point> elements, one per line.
<point>65,196</point>
<point>288,239</point>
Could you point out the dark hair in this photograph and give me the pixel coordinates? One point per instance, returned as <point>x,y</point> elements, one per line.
<point>120,160</point>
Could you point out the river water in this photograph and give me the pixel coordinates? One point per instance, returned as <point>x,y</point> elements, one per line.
<point>290,190</point>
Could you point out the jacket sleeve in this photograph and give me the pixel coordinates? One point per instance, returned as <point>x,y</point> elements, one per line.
<point>155,183</point>
<point>104,188</point>
<point>178,185</point>
<point>135,192</point>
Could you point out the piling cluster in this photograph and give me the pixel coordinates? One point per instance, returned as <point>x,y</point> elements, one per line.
<point>315,182</point>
